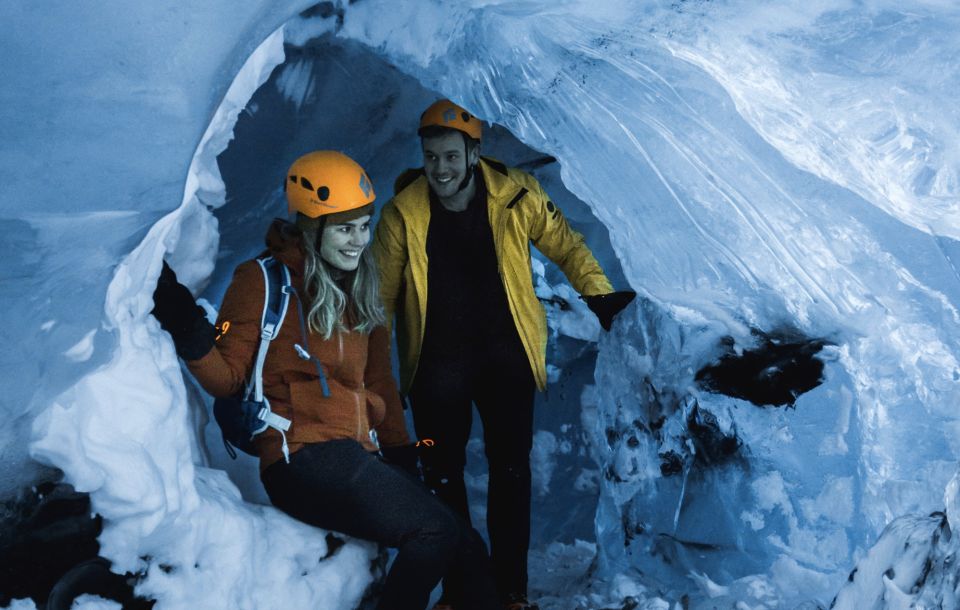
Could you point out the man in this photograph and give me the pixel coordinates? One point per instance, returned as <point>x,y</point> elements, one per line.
<point>454,257</point>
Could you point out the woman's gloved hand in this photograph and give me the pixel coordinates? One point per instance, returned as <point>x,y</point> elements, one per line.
<point>607,306</point>
<point>178,313</point>
<point>404,457</point>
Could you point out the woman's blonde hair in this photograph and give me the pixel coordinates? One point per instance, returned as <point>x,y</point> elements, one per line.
<point>329,304</point>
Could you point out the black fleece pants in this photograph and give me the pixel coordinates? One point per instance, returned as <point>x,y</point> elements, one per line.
<point>497,378</point>
<point>339,486</point>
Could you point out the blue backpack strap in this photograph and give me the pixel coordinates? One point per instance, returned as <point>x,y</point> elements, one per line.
<point>276,302</point>
<point>254,410</point>
<point>276,278</point>
<point>276,298</point>
<point>243,417</point>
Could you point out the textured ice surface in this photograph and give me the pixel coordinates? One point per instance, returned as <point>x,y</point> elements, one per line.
<point>912,565</point>
<point>827,212</point>
<point>757,166</point>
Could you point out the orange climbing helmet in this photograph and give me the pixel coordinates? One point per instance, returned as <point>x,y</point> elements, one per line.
<point>444,113</point>
<point>327,182</point>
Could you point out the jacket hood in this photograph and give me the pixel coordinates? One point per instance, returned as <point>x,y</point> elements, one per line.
<point>285,243</point>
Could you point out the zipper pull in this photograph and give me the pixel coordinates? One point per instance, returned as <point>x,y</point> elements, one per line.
<point>304,355</point>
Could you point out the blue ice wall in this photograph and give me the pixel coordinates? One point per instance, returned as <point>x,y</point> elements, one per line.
<point>103,105</point>
<point>759,167</point>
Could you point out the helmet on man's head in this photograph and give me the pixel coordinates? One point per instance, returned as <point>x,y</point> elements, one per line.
<point>327,182</point>
<point>444,113</point>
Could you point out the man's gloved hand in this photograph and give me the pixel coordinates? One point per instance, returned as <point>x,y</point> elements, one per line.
<point>178,313</point>
<point>403,457</point>
<point>607,306</point>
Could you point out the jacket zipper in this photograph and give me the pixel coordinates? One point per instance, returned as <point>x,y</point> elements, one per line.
<point>501,229</point>
<point>356,395</point>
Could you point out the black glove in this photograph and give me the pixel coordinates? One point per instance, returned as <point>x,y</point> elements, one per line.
<point>607,306</point>
<point>403,457</point>
<point>178,313</point>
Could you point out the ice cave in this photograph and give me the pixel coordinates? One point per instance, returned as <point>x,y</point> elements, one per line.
<point>771,424</point>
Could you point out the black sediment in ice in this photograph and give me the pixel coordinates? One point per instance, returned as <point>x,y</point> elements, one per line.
<point>774,373</point>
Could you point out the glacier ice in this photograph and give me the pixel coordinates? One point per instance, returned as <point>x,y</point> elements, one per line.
<point>758,167</point>
<point>125,431</point>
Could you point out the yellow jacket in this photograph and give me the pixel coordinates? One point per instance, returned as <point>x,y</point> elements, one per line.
<point>519,213</point>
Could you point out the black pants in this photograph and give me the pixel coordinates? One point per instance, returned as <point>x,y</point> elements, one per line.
<point>499,381</point>
<point>337,485</point>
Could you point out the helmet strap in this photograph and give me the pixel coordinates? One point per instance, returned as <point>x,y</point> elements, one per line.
<point>470,169</point>
<point>466,179</point>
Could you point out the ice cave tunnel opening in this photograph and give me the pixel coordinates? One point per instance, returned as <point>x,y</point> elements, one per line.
<point>334,93</point>
<point>331,93</point>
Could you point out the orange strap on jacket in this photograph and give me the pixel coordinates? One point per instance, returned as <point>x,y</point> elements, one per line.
<point>222,329</point>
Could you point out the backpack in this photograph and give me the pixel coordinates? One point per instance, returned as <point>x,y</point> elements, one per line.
<point>243,416</point>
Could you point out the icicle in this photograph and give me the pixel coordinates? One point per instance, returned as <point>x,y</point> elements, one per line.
<point>683,486</point>
<point>688,406</point>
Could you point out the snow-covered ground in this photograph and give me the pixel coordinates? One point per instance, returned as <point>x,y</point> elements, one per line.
<point>763,174</point>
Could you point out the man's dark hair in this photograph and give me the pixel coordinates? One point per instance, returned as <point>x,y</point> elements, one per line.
<point>436,131</point>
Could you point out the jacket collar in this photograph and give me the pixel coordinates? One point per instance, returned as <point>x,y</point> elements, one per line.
<point>499,185</point>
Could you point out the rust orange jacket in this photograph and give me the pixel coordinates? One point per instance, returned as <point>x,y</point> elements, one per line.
<point>363,393</point>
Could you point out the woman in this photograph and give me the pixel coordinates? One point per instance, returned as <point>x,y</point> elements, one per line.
<point>333,477</point>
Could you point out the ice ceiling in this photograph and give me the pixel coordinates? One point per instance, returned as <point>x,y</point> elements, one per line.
<point>761,171</point>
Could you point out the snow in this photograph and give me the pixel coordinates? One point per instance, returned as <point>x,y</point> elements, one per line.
<point>94,602</point>
<point>102,110</point>
<point>22,604</point>
<point>83,350</point>
<point>770,167</point>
